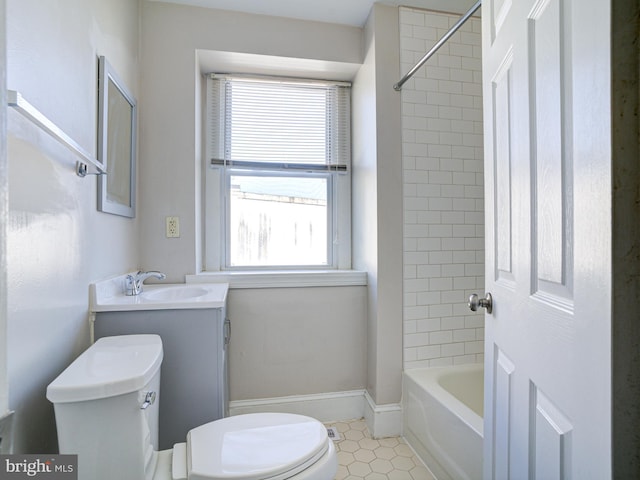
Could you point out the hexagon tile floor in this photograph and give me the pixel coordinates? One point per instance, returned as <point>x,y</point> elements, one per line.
<point>360,456</point>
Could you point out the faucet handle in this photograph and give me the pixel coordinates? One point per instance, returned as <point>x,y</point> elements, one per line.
<point>133,282</point>
<point>130,285</point>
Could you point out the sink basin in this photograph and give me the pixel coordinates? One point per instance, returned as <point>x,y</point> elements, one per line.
<point>108,296</point>
<point>175,292</point>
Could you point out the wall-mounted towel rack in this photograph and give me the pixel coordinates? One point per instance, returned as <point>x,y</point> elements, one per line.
<point>18,102</point>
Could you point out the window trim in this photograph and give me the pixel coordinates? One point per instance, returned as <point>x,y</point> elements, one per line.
<point>283,279</point>
<point>215,201</point>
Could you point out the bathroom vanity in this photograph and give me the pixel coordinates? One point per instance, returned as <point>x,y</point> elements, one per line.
<point>191,320</point>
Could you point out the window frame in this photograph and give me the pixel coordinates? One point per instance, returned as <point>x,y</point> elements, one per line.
<point>229,172</point>
<point>216,205</point>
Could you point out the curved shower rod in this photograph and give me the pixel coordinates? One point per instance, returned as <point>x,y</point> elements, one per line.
<point>434,49</point>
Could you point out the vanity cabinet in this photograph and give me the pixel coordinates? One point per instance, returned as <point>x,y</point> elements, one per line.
<point>194,373</point>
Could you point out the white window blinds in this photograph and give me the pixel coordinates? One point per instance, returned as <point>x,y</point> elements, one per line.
<point>267,123</point>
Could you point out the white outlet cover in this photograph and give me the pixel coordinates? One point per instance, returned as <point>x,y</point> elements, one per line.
<point>172,227</point>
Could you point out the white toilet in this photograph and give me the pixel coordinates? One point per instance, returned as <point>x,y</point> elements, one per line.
<point>106,408</point>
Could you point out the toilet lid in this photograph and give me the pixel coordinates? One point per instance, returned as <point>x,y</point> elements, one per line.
<point>255,446</point>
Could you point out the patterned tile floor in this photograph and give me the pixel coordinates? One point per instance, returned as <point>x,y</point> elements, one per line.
<point>362,457</point>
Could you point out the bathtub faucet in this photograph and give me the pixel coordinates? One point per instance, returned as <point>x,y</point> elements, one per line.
<point>133,283</point>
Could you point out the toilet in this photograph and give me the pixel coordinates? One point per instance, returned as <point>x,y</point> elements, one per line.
<point>106,407</point>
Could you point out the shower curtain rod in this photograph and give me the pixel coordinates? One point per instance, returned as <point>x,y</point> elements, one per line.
<point>434,49</point>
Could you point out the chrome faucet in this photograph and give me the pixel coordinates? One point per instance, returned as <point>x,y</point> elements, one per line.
<point>133,283</point>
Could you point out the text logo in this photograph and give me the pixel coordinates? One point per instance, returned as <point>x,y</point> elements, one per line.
<point>51,467</point>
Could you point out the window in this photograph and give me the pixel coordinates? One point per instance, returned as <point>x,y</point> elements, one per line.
<point>278,182</point>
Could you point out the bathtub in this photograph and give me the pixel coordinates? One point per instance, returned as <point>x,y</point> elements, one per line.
<point>442,419</point>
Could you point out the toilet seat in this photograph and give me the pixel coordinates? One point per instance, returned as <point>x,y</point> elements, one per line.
<point>272,446</point>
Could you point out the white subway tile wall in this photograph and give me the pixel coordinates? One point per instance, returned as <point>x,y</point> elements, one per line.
<point>442,158</point>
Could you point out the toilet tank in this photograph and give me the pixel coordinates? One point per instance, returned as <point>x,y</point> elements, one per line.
<point>100,410</point>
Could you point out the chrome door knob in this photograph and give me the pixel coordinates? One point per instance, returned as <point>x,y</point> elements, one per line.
<point>486,302</point>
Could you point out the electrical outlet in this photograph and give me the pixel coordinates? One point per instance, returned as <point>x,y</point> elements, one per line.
<point>173,227</point>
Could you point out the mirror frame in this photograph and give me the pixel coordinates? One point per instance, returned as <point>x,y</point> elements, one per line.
<point>108,148</point>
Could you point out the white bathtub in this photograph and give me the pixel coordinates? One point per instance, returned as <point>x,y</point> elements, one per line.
<point>442,419</point>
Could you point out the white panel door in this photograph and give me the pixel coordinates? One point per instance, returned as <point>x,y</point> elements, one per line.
<point>546,74</point>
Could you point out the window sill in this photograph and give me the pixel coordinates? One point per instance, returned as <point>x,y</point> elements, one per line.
<point>283,279</point>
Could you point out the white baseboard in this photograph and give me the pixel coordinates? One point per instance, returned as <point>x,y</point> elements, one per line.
<point>382,420</point>
<point>326,407</point>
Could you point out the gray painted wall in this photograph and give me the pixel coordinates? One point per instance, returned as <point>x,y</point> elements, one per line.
<point>271,325</point>
<point>57,242</point>
<point>377,199</point>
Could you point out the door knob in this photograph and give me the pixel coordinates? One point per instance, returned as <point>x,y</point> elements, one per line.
<point>486,302</point>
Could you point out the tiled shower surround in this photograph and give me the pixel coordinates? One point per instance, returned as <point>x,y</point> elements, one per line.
<point>442,161</point>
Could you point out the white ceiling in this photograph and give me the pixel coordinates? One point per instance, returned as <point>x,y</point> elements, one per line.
<point>348,12</point>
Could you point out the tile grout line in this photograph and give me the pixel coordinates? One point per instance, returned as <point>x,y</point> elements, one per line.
<point>362,457</point>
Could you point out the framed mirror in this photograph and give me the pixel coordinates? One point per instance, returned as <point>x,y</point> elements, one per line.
<point>116,143</point>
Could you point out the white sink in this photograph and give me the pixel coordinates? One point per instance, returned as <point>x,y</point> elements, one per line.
<point>108,296</point>
<point>175,292</point>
